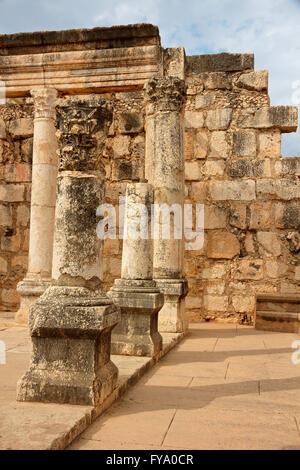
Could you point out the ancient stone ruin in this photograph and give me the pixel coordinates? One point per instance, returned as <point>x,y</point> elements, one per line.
<point>107,116</point>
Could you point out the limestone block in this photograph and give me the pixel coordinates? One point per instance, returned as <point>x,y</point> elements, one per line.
<point>20,261</point>
<point>297,273</point>
<point>27,150</point>
<point>213,168</point>
<point>219,147</point>
<point>200,144</point>
<point>270,242</point>
<point>276,269</point>
<point>214,217</point>
<point>189,144</point>
<point>249,269</point>
<point>232,190</point>
<point>121,146</point>
<point>215,303</point>
<point>204,101</point>
<point>10,296</point>
<point>215,287</point>
<point>288,166</point>
<point>6,215</point>
<point>244,143</point>
<point>257,81</point>
<point>3,266</point>
<point>217,80</point>
<point>284,118</point>
<point>174,62</point>
<point>22,127</point>
<point>198,191</point>
<point>193,302</point>
<point>278,189</point>
<point>126,170</point>
<point>217,271</point>
<point>243,303</point>
<point>12,192</point>
<point>287,215</point>
<point>238,215</point>
<point>260,215</point>
<point>249,244</point>
<point>11,241</point>
<point>269,144</point>
<point>193,119</point>
<point>224,61</point>
<point>222,245</point>
<point>2,129</point>
<point>18,172</point>
<point>219,119</point>
<point>250,168</point>
<point>192,171</point>
<point>138,147</point>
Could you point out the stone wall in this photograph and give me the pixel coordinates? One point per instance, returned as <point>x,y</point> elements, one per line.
<point>16,131</point>
<point>233,166</point>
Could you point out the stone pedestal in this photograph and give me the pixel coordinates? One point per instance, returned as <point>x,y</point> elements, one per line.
<point>43,196</point>
<point>71,322</point>
<point>136,293</point>
<point>164,99</point>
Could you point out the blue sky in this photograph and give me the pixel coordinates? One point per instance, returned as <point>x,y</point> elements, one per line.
<point>269,28</point>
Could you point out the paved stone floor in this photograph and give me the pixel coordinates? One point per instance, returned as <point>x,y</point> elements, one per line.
<point>223,387</point>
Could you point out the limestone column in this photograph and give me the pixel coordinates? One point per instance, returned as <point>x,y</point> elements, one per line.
<point>164,99</point>
<point>43,197</point>
<point>136,293</point>
<point>71,323</point>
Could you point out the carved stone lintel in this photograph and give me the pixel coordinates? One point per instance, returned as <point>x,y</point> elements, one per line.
<point>82,128</point>
<point>164,94</point>
<point>44,103</point>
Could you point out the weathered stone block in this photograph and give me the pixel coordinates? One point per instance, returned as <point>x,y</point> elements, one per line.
<point>6,215</point>
<point>219,147</point>
<point>217,80</point>
<point>219,119</point>
<point>220,62</point>
<point>130,123</point>
<point>287,215</point>
<point>193,302</point>
<point>215,303</point>
<point>243,303</point>
<point>269,144</point>
<point>200,144</point>
<point>10,296</point>
<point>215,287</point>
<point>204,101</point>
<point>217,271</point>
<point>193,119</point>
<point>11,192</point>
<point>250,168</point>
<point>3,266</point>
<point>257,81</point>
<point>278,189</point>
<point>126,170</point>
<point>192,171</point>
<point>214,217</point>
<point>244,143</point>
<point>189,144</point>
<point>270,242</point>
<point>260,215</point>
<point>284,118</point>
<point>238,215</point>
<point>121,146</point>
<point>22,127</point>
<point>198,191</point>
<point>18,172</point>
<point>232,190</point>
<point>249,269</point>
<point>222,245</point>
<point>213,168</point>
<point>288,166</point>
<point>276,269</point>
<point>249,244</point>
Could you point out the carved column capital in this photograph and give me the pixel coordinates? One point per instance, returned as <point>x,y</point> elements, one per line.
<point>82,126</point>
<point>44,102</point>
<point>164,94</point>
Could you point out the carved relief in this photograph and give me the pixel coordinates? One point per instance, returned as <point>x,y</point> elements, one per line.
<point>82,128</point>
<point>164,94</point>
<point>44,102</point>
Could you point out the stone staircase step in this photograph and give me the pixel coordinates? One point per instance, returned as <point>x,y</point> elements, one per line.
<point>288,322</point>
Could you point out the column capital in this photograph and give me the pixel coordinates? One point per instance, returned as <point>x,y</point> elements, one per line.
<point>82,126</point>
<point>44,102</point>
<point>164,94</point>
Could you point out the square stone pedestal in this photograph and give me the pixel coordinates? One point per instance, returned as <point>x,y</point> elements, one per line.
<point>30,290</point>
<point>71,333</point>
<point>172,317</point>
<point>137,333</point>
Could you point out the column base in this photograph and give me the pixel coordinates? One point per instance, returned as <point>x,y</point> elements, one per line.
<point>30,290</point>
<point>71,333</point>
<point>137,332</point>
<point>173,317</point>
